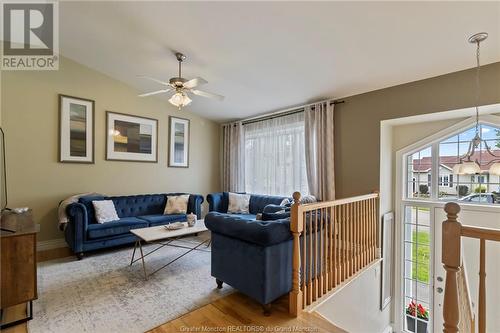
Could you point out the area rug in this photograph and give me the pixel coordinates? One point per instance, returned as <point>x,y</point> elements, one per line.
<point>102,293</point>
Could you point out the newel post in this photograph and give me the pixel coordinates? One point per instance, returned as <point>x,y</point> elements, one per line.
<point>296,226</point>
<point>451,260</point>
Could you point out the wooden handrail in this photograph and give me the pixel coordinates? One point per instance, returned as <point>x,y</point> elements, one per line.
<point>332,241</point>
<point>451,259</point>
<point>480,233</point>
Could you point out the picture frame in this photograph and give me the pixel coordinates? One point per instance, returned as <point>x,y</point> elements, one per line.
<point>131,138</point>
<point>76,129</point>
<point>178,145</point>
<point>387,258</point>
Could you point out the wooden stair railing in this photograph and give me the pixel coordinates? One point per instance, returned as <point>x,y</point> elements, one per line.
<point>332,241</point>
<point>451,259</point>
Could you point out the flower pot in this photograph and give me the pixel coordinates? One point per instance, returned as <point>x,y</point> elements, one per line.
<point>421,325</point>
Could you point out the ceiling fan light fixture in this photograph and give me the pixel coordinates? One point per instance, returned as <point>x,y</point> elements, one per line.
<point>180,99</point>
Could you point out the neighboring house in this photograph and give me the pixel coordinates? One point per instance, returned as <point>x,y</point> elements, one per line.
<point>448,182</point>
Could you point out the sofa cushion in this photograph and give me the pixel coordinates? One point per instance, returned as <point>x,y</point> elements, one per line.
<point>87,202</point>
<point>262,233</point>
<point>160,219</point>
<point>108,229</point>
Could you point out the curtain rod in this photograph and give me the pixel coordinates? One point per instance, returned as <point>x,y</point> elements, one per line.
<point>285,113</point>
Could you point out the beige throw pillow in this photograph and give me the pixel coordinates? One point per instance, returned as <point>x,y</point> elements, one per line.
<point>105,211</point>
<point>176,204</point>
<point>238,203</point>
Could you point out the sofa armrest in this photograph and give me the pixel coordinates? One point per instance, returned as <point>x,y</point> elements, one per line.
<point>194,204</point>
<point>215,202</point>
<point>263,233</point>
<point>77,226</point>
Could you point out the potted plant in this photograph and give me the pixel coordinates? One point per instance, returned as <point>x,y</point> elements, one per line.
<point>413,310</point>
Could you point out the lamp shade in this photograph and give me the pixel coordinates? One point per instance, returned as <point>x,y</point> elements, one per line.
<point>495,169</point>
<point>179,99</point>
<point>467,168</point>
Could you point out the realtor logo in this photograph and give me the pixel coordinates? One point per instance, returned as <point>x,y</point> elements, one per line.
<point>30,36</point>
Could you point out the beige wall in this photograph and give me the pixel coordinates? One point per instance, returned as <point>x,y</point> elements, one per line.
<point>30,119</point>
<point>357,121</point>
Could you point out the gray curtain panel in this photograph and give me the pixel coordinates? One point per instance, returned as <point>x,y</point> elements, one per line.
<point>233,157</point>
<point>319,142</point>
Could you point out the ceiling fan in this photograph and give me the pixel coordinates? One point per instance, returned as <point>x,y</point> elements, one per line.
<point>181,87</point>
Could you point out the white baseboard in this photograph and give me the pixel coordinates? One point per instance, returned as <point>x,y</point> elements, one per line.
<point>388,329</point>
<point>51,244</point>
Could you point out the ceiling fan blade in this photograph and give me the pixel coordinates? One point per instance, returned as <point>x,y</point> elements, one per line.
<point>155,92</point>
<point>197,81</point>
<point>207,94</point>
<point>153,79</point>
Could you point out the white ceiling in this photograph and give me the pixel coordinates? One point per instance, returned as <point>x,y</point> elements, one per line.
<point>265,56</point>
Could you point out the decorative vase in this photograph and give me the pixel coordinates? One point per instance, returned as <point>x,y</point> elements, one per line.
<point>421,324</point>
<point>191,220</point>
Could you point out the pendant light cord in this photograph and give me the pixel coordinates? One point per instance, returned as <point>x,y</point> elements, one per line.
<point>477,86</point>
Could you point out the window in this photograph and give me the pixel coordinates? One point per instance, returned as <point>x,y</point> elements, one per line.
<point>275,156</point>
<point>419,167</point>
<point>483,188</point>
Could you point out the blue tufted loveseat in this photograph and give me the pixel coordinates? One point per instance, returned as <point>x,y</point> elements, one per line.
<point>252,256</point>
<point>83,233</point>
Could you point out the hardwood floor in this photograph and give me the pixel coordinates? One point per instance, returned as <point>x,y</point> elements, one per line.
<point>233,313</point>
<point>238,313</point>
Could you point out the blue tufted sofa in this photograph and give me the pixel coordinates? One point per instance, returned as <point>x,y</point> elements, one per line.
<point>252,256</point>
<point>83,233</point>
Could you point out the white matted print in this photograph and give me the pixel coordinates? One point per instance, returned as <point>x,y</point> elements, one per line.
<point>178,153</point>
<point>131,138</point>
<point>76,129</point>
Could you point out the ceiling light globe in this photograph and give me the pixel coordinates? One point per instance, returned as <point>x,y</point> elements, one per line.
<point>469,168</point>
<point>495,169</point>
<point>180,99</point>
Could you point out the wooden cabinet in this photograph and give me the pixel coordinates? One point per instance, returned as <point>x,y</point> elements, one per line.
<point>18,261</point>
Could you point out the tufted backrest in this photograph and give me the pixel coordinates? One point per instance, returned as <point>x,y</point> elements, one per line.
<point>137,205</point>
<point>258,202</point>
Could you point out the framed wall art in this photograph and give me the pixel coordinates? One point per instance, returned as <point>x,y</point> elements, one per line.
<point>131,138</point>
<point>76,129</point>
<point>178,152</point>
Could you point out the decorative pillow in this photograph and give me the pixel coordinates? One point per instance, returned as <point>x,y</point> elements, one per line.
<point>105,211</point>
<point>176,204</point>
<point>238,203</point>
<point>308,199</point>
<point>285,202</point>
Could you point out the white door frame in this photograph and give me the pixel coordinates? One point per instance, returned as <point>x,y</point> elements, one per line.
<point>400,201</point>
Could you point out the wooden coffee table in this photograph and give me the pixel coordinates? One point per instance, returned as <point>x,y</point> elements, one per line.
<point>164,237</point>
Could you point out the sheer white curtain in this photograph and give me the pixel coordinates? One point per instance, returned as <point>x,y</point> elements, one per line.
<point>275,156</point>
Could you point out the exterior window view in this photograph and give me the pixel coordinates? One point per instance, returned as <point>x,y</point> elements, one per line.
<point>474,188</point>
